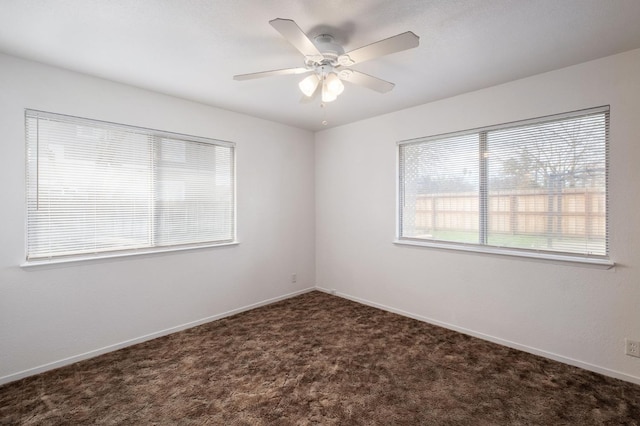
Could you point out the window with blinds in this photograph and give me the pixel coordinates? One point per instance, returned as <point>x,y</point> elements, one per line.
<point>96,188</point>
<point>532,187</point>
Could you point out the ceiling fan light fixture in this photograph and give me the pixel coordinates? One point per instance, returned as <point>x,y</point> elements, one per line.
<point>334,85</point>
<point>323,59</point>
<point>327,95</point>
<point>309,85</point>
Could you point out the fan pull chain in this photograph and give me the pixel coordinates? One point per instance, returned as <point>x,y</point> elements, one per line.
<point>324,114</point>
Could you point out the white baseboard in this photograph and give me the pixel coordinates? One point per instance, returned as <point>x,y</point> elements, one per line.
<point>503,342</point>
<point>91,354</point>
<point>114,347</point>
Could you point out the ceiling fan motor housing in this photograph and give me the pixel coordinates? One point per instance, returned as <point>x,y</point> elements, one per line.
<point>329,49</point>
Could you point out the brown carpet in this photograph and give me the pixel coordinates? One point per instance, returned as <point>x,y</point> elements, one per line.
<point>319,359</point>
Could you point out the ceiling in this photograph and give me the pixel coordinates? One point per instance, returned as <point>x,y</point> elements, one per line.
<point>192,48</point>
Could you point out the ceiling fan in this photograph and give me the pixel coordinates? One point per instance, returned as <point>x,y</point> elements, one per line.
<point>326,61</point>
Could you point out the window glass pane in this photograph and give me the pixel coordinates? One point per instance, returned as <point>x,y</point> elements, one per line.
<point>547,186</point>
<point>194,193</point>
<point>538,186</point>
<point>97,187</point>
<point>88,189</point>
<point>440,185</point>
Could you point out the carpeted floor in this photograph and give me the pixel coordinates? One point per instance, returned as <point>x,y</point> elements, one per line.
<point>319,359</point>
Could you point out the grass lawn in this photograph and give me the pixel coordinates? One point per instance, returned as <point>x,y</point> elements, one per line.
<point>533,242</point>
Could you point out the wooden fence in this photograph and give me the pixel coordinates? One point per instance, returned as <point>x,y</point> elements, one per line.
<point>570,212</point>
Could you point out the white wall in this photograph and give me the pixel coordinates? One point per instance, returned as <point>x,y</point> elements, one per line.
<point>51,316</point>
<point>576,314</point>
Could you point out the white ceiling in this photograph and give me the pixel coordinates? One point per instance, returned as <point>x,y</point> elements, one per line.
<point>192,48</point>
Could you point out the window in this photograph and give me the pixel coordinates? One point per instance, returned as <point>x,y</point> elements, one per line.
<point>536,188</point>
<point>97,189</point>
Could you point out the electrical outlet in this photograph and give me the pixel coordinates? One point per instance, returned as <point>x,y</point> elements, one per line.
<point>632,347</point>
<point>294,278</point>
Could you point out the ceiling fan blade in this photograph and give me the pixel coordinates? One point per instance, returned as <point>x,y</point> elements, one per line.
<point>389,45</point>
<point>294,35</point>
<point>366,80</point>
<point>285,71</point>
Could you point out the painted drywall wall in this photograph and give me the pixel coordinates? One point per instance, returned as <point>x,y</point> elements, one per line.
<point>576,314</point>
<point>53,315</point>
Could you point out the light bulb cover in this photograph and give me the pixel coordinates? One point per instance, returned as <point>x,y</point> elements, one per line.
<point>309,84</point>
<point>327,95</point>
<point>334,85</point>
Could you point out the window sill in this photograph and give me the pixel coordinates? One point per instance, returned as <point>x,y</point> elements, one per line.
<point>542,256</point>
<point>106,256</point>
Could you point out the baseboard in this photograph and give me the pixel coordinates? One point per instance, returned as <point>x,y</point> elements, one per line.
<point>94,353</point>
<point>566,360</point>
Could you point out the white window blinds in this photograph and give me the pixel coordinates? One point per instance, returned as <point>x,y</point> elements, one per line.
<point>95,187</point>
<point>534,186</point>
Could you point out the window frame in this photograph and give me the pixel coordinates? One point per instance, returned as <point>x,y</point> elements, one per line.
<point>603,261</point>
<point>157,136</point>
